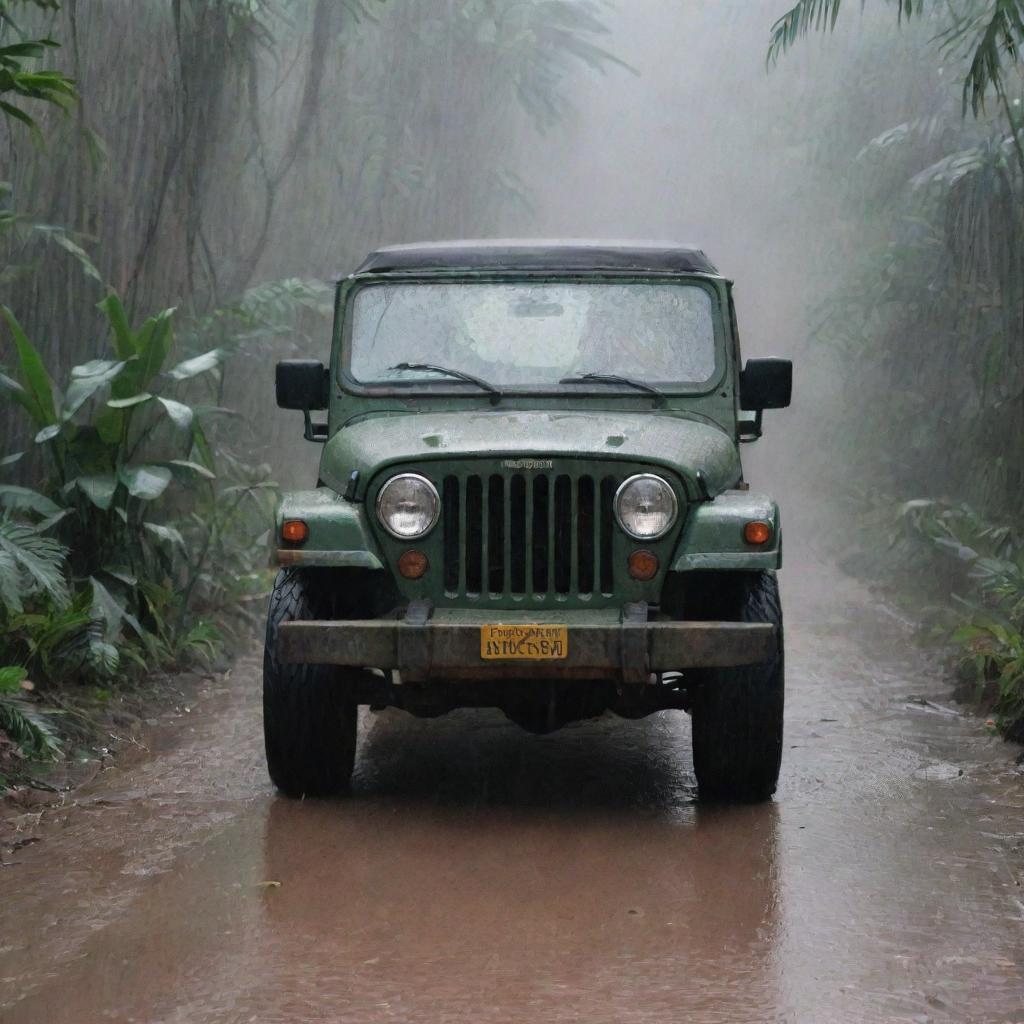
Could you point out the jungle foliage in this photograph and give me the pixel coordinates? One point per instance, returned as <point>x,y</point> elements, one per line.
<point>134,499</point>
<point>141,547</point>
<point>984,568</point>
<point>924,310</point>
<point>19,79</point>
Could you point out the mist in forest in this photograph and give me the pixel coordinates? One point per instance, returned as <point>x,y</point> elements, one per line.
<point>247,155</point>
<point>232,160</point>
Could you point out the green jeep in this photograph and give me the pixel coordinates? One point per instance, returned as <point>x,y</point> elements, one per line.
<point>531,498</point>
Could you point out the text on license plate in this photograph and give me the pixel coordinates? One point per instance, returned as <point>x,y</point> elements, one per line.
<point>524,643</point>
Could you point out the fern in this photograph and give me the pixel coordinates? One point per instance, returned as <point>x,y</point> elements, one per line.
<point>30,563</point>
<point>203,641</point>
<point>27,727</point>
<point>990,630</point>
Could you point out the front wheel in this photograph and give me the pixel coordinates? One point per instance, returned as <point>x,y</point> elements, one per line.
<point>737,712</point>
<point>309,721</point>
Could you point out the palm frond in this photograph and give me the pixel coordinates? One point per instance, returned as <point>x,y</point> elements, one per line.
<point>920,130</point>
<point>991,39</point>
<point>30,563</point>
<point>28,728</point>
<point>798,21</point>
<point>819,16</point>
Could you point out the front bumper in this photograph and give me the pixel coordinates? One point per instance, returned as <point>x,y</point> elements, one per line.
<point>627,651</point>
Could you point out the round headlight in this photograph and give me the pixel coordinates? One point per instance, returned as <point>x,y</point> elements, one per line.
<point>408,506</point>
<point>645,506</point>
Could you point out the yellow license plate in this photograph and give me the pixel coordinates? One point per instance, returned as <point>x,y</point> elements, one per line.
<point>524,643</point>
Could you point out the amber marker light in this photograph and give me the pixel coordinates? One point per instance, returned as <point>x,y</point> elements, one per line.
<point>757,532</point>
<point>643,565</point>
<point>294,531</point>
<point>413,564</point>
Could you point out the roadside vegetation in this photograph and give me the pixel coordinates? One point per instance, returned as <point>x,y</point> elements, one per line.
<point>924,314</point>
<point>148,274</point>
<point>141,547</point>
<point>147,284</point>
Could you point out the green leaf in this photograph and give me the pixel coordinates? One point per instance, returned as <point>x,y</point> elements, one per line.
<point>99,489</point>
<point>193,467</point>
<point>146,483</point>
<point>128,403</point>
<point>51,521</point>
<point>19,115</point>
<point>124,342</point>
<point>154,344</point>
<point>124,577</point>
<point>25,499</point>
<point>79,253</point>
<point>109,425</point>
<point>102,368</point>
<point>203,447</point>
<point>11,678</point>
<point>29,728</point>
<point>10,460</point>
<point>198,364</point>
<point>47,433</point>
<point>39,559</point>
<point>107,609</point>
<point>165,533</point>
<point>86,380</point>
<point>965,634</point>
<point>11,583</point>
<point>181,414</point>
<point>31,48</point>
<point>34,378</point>
<point>11,385</point>
<point>962,551</point>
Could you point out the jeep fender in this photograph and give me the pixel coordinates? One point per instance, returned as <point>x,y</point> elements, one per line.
<point>712,537</point>
<point>338,532</point>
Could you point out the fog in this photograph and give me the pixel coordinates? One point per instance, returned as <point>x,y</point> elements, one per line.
<point>700,142</point>
<point>243,156</point>
<point>174,216</point>
<point>696,146</point>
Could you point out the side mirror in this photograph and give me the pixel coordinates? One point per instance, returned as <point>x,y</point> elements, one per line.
<point>302,384</point>
<point>766,384</point>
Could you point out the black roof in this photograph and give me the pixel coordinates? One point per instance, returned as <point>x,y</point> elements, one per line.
<point>525,254</point>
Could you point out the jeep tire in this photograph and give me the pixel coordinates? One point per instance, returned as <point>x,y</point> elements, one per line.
<point>737,712</point>
<point>309,721</point>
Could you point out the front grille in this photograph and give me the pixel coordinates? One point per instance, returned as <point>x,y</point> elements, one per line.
<point>528,534</point>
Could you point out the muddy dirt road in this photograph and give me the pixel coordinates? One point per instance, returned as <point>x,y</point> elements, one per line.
<point>481,874</point>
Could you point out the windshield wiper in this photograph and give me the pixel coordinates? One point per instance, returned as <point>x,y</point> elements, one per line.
<point>495,393</point>
<point>614,378</point>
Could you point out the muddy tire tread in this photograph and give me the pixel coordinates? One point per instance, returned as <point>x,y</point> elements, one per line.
<point>738,713</point>
<point>309,725</point>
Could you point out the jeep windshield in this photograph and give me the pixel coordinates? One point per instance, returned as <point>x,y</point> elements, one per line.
<point>524,334</point>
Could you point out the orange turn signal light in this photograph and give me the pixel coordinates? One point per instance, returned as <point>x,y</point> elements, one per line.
<point>413,564</point>
<point>294,531</point>
<point>643,565</point>
<point>757,532</point>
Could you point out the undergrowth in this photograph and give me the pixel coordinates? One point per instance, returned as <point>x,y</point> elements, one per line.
<point>965,578</point>
<point>143,546</point>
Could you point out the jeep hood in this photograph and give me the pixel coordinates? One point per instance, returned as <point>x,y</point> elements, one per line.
<point>681,445</point>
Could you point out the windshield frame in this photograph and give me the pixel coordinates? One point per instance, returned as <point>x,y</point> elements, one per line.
<point>443,387</point>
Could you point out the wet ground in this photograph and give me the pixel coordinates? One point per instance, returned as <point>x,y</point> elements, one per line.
<point>482,874</point>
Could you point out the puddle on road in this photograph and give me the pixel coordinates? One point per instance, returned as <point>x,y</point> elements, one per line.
<point>483,874</point>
